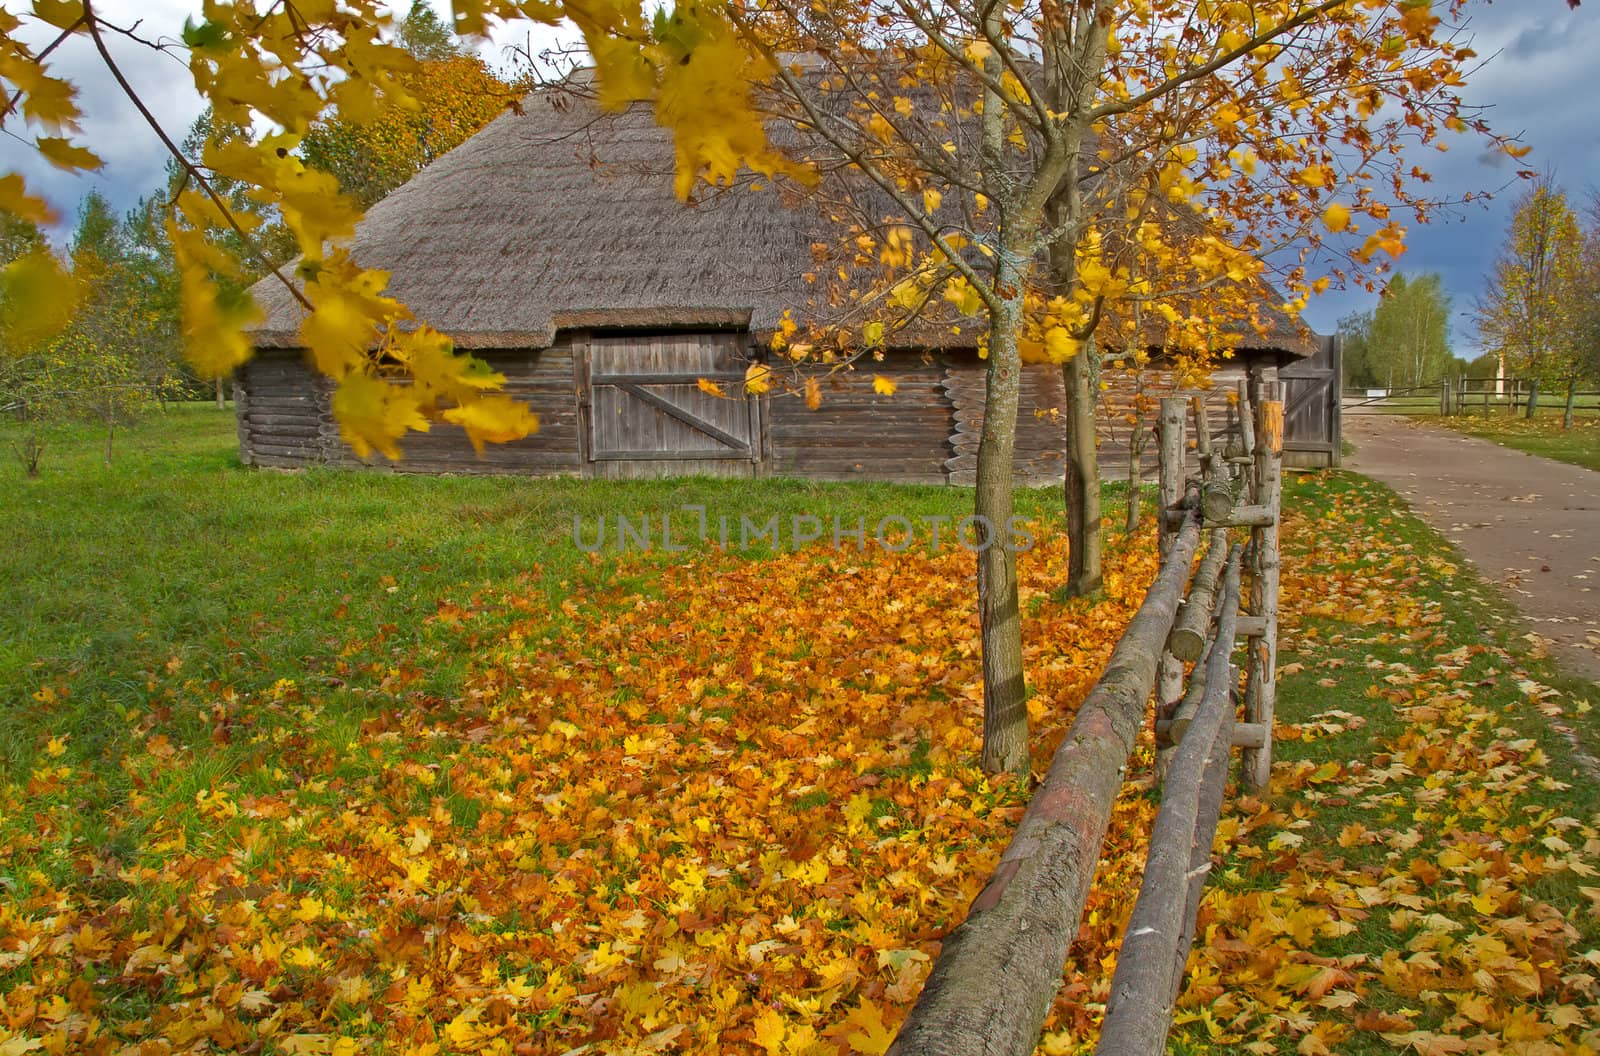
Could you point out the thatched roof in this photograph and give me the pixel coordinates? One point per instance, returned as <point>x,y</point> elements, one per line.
<point>564,217</point>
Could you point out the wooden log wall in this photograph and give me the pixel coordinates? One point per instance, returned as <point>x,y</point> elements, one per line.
<point>927,432</point>
<point>859,434</point>
<point>1041,427</point>
<point>281,408</point>
<point>286,421</point>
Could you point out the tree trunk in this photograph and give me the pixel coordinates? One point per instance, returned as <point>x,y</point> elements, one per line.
<point>1572,397</point>
<point>220,401</point>
<point>1130,521</point>
<point>1533,399</point>
<point>1082,477</point>
<point>1005,710</point>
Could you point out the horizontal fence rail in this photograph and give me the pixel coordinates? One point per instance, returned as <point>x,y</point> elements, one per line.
<point>1485,397</point>
<point>998,972</point>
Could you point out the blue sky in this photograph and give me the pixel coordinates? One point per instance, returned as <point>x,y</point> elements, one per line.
<point>1537,82</point>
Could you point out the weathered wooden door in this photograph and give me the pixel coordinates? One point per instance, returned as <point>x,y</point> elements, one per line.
<point>649,417</point>
<point>1313,431</point>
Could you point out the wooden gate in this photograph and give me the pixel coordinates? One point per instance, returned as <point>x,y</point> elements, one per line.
<point>1313,430</point>
<point>647,415</point>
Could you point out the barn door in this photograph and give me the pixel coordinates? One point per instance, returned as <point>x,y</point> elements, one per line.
<point>648,415</point>
<point>1311,411</point>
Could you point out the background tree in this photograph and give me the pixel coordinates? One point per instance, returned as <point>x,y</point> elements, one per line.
<point>1530,314</point>
<point>452,93</point>
<point>1588,308</point>
<point>1356,330</point>
<point>1409,336</point>
<point>120,350</point>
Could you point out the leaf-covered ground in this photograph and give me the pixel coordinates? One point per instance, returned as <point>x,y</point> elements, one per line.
<point>1423,875</point>
<point>727,804</point>
<point>733,808</point>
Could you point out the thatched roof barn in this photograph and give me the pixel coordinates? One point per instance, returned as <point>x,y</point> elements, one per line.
<point>551,244</point>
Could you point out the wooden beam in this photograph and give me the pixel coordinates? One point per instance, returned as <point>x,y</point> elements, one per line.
<point>1252,516</point>
<point>700,425</point>
<point>1150,962</point>
<point>1170,733</point>
<point>1187,641</point>
<point>1261,688</point>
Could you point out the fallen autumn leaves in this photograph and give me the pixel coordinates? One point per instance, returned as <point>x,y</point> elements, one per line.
<point>731,806</point>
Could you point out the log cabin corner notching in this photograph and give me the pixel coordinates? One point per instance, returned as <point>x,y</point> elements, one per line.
<point>551,246</point>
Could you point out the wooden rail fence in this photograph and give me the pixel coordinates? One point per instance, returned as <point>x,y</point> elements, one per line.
<point>998,972</point>
<point>1477,396</point>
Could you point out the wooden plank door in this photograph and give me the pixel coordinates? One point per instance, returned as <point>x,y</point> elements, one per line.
<point>1311,408</point>
<point>649,417</point>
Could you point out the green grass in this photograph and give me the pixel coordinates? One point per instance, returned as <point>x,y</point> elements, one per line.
<point>177,566</point>
<point>1542,436</point>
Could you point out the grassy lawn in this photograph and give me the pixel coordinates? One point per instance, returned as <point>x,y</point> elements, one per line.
<point>1541,436</point>
<point>365,763</point>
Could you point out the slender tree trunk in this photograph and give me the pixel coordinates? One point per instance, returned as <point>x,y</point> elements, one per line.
<point>1074,54</point>
<point>1005,710</point>
<point>220,401</point>
<point>1572,396</point>
<point>1082,476</point>
<point>1130,520</point>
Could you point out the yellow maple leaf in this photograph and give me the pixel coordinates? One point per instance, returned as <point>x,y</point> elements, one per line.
<point>64,155</point>
<point>711,388</point>
<point>882,385</point>
<point>872,1037</point>
<point>493,419</point>
<point>813,393</point>
<point>769,1030</point>
<point>758,379</point>
<point>37,297</point>
<point>374,414</point>
<point>15,199</point>
<point>1337,217</point>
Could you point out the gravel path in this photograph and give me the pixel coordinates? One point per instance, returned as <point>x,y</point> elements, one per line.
<point>1531,525</point>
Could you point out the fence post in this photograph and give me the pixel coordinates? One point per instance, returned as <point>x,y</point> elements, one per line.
<point>1444,397</point>
<point>1261,684</point>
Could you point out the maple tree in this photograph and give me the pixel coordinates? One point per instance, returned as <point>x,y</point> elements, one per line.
<point>452,95</point>
<point>1530,314</point>
<point>1152,154</point>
